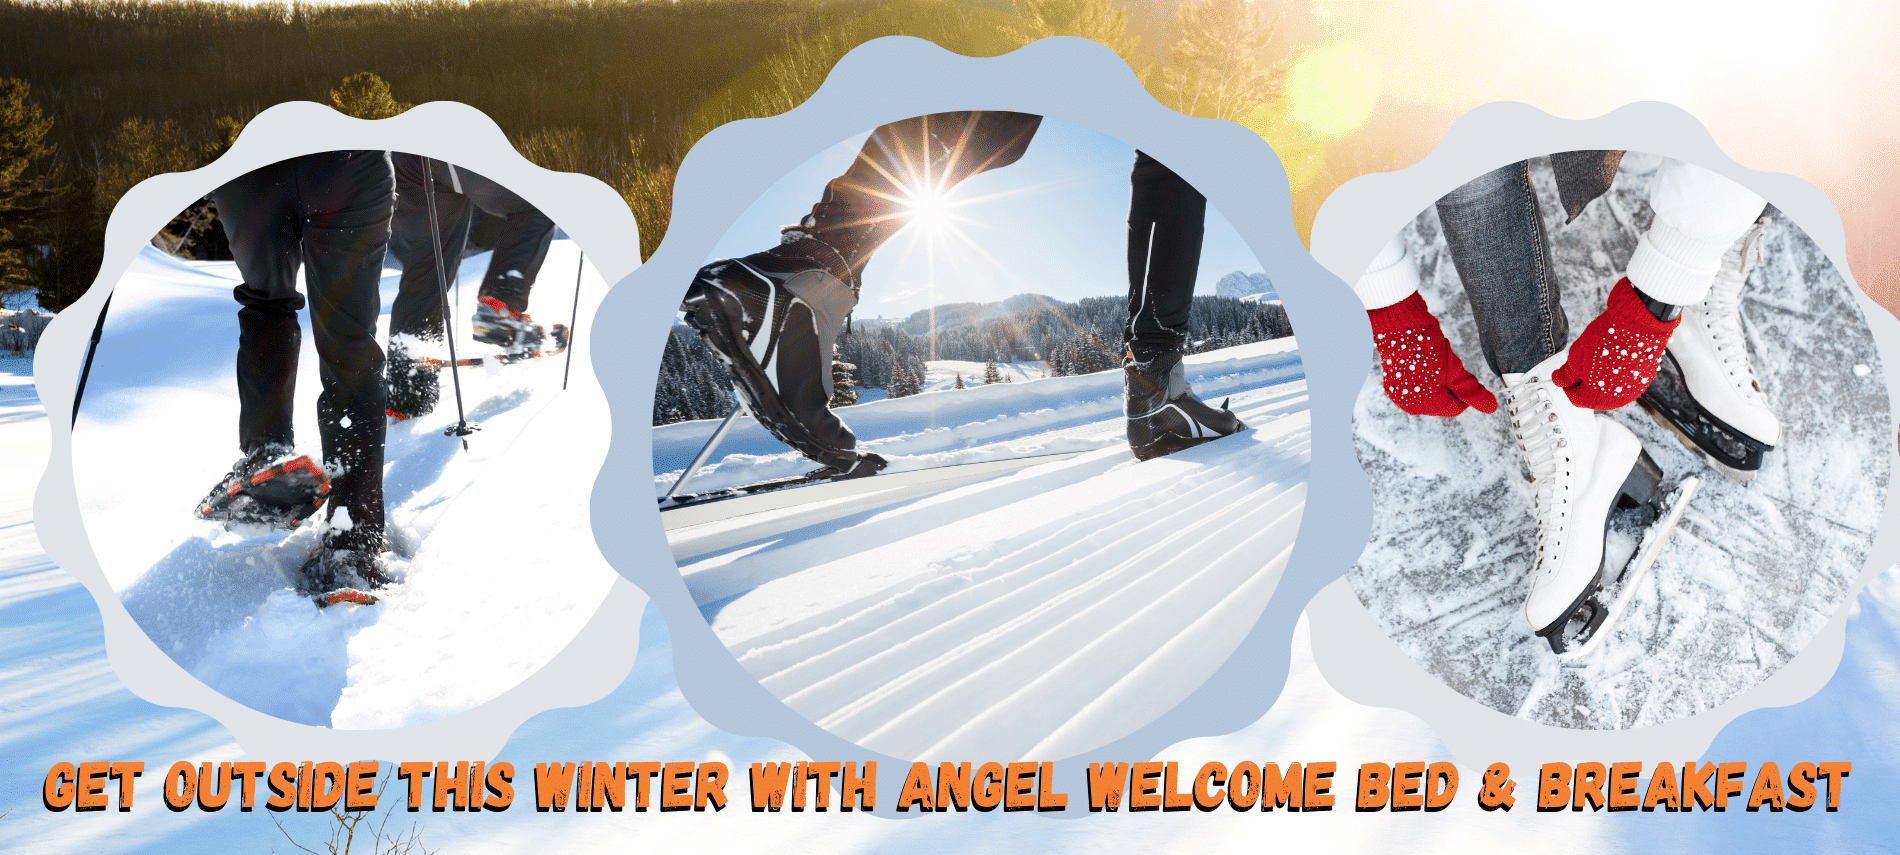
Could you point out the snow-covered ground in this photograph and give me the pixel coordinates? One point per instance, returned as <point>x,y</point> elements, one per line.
<point>1043,612</point>
<point>157,429</point>
<point>1750,575</point>
<point>61,702</point>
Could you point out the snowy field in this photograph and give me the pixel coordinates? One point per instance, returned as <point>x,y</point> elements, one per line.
<point>1749,576</point>
<point>1044,612</point>
<point>162,403</point>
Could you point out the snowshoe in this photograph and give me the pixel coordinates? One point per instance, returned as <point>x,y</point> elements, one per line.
<point>772,319</point>
<point>332,575</point>
<point>1164,416</point>
<point>271,487</point>
<point>498,325</point>
<point>1706,392</point>
<point>413,382</point>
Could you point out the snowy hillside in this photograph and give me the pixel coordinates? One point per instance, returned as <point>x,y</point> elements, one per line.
<point>1039,613</point>
<point>158,428</point>
<point>1751,573</point>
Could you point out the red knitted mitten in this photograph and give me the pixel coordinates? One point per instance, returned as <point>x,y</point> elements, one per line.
<point>1422,375</point>
<point>1615,358</point>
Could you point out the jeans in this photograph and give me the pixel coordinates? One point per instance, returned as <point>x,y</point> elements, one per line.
<point>1496,238</point>
<point>521,245</point>
<point>329,214</point>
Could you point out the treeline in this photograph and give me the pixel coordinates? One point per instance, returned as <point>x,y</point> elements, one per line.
<point>1069,338</point>
<point>616,89</point>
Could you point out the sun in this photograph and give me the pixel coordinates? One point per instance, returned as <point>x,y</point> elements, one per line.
<point>928,208</point>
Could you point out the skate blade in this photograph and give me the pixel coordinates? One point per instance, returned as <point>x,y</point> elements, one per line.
<point>1738,476</point>
<point>1630,578</point>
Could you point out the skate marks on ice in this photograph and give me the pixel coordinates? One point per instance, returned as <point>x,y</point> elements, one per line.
<point>1047,611</point>
<point>1750,574</point>
<point>222,605</point>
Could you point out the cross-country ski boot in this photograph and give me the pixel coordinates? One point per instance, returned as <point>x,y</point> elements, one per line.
<point>1706,392</point>
<point>1584,469</point>
<point>1163,414</point>
<point>502,327</point>
<point>772,318</point>
<point>333,575</point>
<point>412,382</point>
<point>273,487</point>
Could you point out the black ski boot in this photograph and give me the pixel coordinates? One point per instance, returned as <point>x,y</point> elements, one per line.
<point>498,325</point>
<point>772,318</point>
<point>1164,416</point>
<point>334,575</point>
<point>413,382</point>
<point>272,486</point>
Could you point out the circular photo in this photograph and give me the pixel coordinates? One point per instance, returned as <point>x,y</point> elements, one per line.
<point>1628,439</point>
<point>981,432</point>
<point>313,441</point>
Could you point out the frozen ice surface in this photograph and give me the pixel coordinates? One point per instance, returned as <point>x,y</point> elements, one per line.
<point>1750,575</point>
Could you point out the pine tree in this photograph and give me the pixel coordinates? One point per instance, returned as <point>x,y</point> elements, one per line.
<point>990,374</point>
<point>26,194</point>
<point>1220,69</point>
<point>364,95</point>
<point>844,389</point>
<point>959,381</point>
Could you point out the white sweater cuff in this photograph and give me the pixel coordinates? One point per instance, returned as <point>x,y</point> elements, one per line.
<point>1392,277</point>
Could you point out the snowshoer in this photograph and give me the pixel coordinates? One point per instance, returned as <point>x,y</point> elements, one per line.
<point>1584,467</point>
<point>772,318</point>
<point>416,319</point>
<point>329,215</point>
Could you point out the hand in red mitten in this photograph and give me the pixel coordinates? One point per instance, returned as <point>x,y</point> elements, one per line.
<point>1422,376</point>
<point>1615,358</point>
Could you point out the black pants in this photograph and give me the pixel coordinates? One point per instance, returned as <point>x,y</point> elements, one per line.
<point>520,246</point>
<point>863,208</point>
<point>328,214</point>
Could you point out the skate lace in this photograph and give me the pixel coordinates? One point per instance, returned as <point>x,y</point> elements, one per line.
<point>1721,312</point>
<point>1540,435</point>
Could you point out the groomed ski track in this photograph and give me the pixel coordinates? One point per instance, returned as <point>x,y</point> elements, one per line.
<point>1039,613</point>
<point>468,527</point>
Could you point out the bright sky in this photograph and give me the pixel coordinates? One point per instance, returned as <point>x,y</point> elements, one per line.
<point>1053,223</point>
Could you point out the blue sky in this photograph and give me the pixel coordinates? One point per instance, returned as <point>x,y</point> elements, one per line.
<point>1052,223</point>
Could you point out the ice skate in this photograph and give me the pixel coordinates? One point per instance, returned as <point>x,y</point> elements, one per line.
<point>1584,469</point>
<point>271,487</point>
<point>1706,392</point>
<point>772,319</point>
<point>413,384</point>
<point>332,575</point>
<point>496,324</point>
<point>1164,416</point>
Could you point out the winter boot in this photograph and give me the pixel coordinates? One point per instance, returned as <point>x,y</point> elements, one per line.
<point>1583,466</point>
<point>772,318</point>
<point>332,575</point>
<point>272,486</point>
<point>1707,392</point>
<point>498,325</point>
<point>1164,416</point>
<point>413,384</point>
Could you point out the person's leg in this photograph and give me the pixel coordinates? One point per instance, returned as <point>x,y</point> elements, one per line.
<point>1582,176</point>
<point>865,206</point>
<point>1496,238</point>
<point>1166,220</point>
<point>418,308</point>
<point>262,227</point>
<point>348,198</point>
<point>521,245</point>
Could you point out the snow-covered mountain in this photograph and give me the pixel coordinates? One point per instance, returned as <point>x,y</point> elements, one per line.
<point>1240,285</point>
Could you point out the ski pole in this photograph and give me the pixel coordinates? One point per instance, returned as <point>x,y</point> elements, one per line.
<point>85,371</point>
<point>573,319</point>
<point>462,428</point>
<point>738,409</point>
